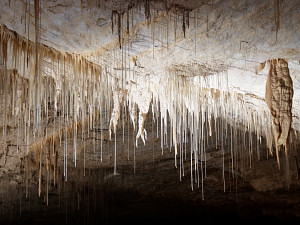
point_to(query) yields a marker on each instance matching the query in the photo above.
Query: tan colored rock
(279, 98)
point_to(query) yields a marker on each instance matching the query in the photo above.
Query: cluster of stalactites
(193, 110)
(74, 85)
(188, 108)
(189, 104)
(48, 104)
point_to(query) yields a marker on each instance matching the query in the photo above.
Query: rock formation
(83, 83)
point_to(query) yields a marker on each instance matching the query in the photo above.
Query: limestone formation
(84, 83)
(279, 97)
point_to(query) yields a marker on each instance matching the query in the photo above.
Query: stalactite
(112, 22)
(40, 170)
(276, 16)
(192, 103)
(279, 95)
(127, 14)
(25, 13)
(188, 19)
(183, 22)
(167, 31)
(141, 132)
(119, 28)
(119, 24)
(36, 60)
(116, 112)
(175, 26)
(115, 155)
(147, 10)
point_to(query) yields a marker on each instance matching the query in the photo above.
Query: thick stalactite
(279, 98)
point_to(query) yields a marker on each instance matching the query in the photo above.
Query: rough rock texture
(279, 98)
